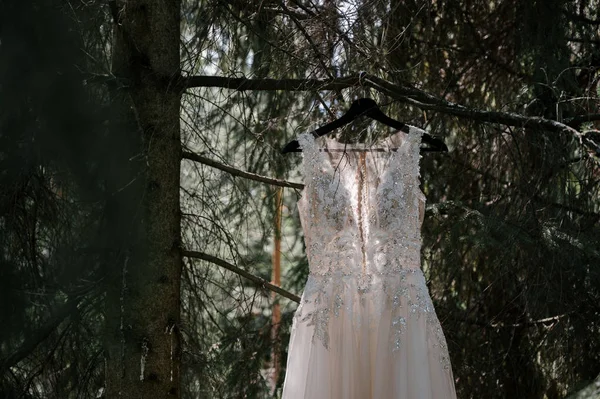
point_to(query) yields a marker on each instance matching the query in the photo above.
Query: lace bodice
(361, 213)
(365, 326)
(366, 205)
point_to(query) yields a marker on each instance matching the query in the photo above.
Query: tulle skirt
(386, 344)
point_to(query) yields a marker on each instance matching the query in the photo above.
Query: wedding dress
(365, 327)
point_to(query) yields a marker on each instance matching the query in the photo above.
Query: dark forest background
(145, 206)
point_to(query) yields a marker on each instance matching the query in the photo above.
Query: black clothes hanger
(367, 107)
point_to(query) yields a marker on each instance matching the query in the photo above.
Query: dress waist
(383, 255)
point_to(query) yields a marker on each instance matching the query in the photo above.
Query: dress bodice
(365, 326)
(363, 205)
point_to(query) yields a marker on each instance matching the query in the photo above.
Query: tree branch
(580, 18)
(402, 93)
(237, 172)
(114, 11)
(529, 323)
(226, 265)
(576, 120)
(242, 84)
(426, 101)
(291, 12)
(40, 335)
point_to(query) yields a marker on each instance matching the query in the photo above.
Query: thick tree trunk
(143, 296)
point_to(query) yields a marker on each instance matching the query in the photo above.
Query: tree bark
(143, 287)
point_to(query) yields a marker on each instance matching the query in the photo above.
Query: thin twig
(237, 172)
(226, 265)
(41, 334)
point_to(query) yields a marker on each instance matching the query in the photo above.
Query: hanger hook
(361, 76)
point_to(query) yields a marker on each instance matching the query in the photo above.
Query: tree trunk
(143, 294)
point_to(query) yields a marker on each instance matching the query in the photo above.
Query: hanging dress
(365, 327)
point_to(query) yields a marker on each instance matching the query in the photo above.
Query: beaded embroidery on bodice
(361, 213)
(365, 327)
(363, 204)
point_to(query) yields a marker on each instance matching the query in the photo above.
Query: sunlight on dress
(365, 327)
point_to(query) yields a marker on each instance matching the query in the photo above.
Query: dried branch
(226, 265)
(237, 172)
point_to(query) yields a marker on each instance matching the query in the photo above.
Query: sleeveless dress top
(365, 327)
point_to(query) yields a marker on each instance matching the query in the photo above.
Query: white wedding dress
(365, 327)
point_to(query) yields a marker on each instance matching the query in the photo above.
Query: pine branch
(40, 334)
(226, 265)
(401, 93)
(548, 321)
(242, 84)
(237, 172)
(580, 18)
(310, 41)
(291, 12)
(532, 323)
(426, 101)
(583, 118)
(114, 12)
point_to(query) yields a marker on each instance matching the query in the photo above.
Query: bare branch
(242, 84)
(310, 41)
(581, 18)
(291, 12)
(426, 101)
(545, 322)
(576, 120)
(114, 11)
(237, 172)
(226, 265)
(402, 93)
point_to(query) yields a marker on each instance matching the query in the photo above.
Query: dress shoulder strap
(310, 155)
(415, 138)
